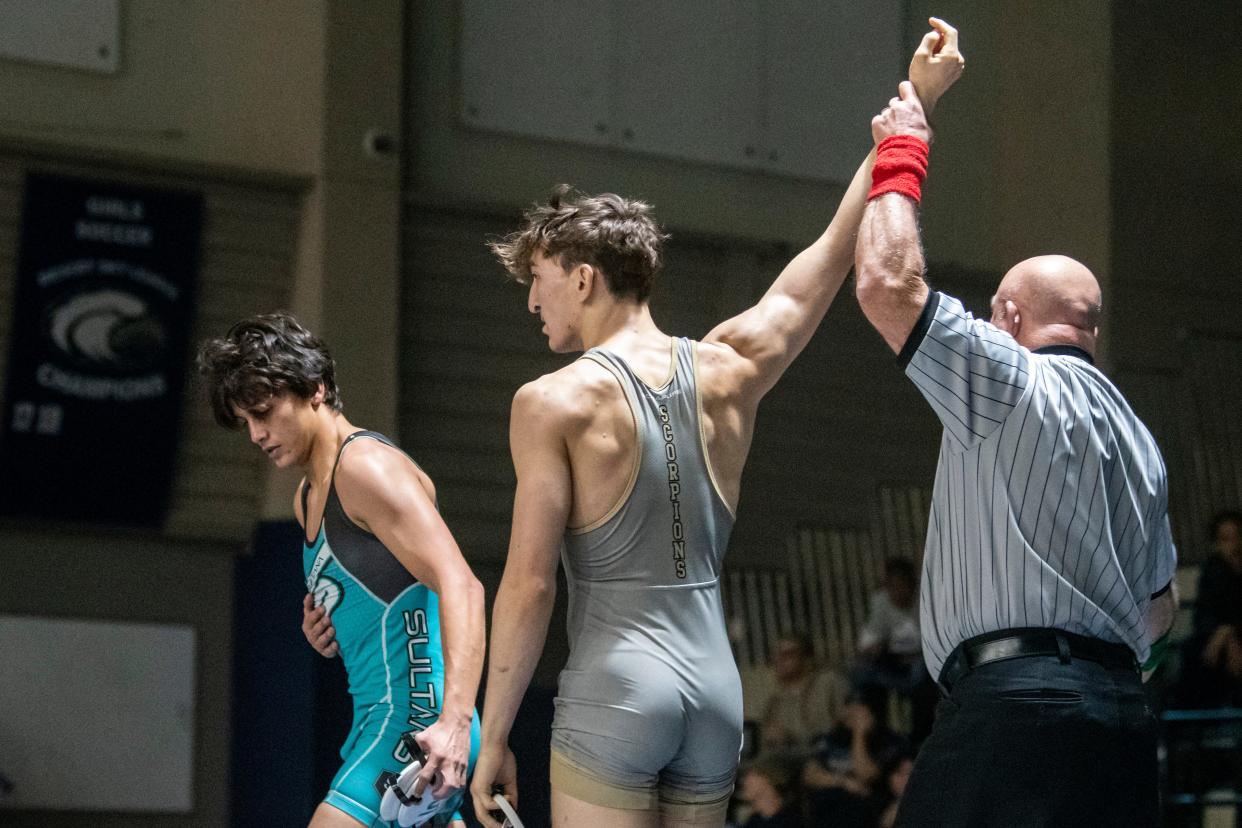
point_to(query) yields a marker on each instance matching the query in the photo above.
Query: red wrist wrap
(900, 167)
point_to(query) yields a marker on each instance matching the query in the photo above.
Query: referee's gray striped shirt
(1050, 507)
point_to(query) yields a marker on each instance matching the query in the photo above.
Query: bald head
(1049, 300)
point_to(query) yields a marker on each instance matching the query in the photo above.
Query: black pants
(1037, 742)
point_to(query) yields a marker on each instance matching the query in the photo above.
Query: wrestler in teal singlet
(388, 628)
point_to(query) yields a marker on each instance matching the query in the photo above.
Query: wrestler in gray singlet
(651, 694)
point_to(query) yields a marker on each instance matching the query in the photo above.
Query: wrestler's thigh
(570, 812)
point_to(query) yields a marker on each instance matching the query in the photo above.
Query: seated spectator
(1212, 656)
(842, 778)
(890, 649)
(769, 786)
(803, 702)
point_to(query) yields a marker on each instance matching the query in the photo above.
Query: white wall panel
(78, 34)
(687, 80)
(537, 68)
(97, 716)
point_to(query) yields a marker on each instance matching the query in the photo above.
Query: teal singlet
(388, 629)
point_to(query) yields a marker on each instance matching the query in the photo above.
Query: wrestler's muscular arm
(541, 418)
(383, 492)
(763, 340)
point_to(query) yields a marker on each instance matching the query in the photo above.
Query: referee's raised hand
(904, 115)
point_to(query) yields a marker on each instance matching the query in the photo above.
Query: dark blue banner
(105, 291)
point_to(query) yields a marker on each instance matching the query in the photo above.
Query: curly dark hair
(619, 236)
(261, 356)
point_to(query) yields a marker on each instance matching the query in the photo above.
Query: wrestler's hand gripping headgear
(399, 804)
(506, 811)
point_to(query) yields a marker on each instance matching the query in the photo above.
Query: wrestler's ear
(584, 277)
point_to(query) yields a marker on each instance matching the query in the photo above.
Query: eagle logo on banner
(106, 329)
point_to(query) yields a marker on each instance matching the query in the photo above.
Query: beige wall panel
(229, 83)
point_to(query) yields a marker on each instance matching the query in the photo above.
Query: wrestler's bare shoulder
(370, 465)
(569, 397)
(723, 372)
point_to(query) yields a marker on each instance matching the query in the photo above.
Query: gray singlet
(651, 691)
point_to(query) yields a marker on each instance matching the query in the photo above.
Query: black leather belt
(1026, 643)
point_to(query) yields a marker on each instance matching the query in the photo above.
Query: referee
(1049, 561)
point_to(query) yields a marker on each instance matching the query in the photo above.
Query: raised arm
(527, 590)
(889, 259)
(768, 336)
(382, 491)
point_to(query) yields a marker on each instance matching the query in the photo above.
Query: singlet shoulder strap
(630, 385)
(612, 363)
(685, 361)
(374, 435)
(619, 366)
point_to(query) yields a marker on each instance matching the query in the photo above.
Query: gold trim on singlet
(638, 448)
(672, 365)
(707, 455)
